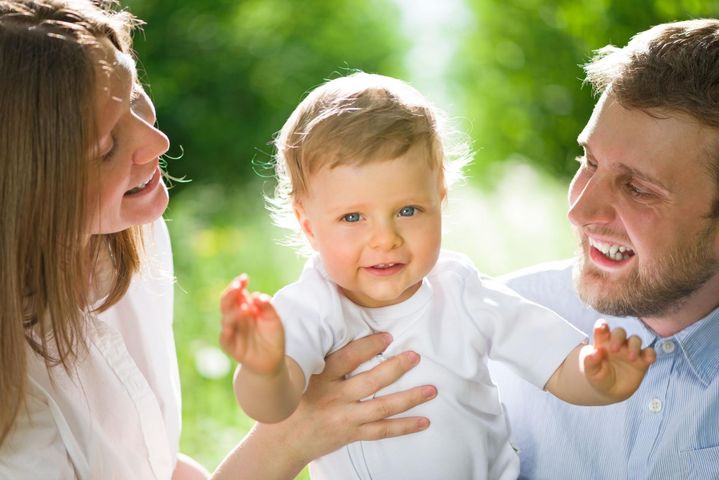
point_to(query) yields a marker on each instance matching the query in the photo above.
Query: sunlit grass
(217, 235)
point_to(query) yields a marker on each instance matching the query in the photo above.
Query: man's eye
(637, 191)
(351, 217)
(407, 211)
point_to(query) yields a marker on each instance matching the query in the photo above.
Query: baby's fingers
(648, 355)
(228, 334)
(602, 335)
(262, 303)
(618, 340)
(594, 360)
(234, 293)
(634, 347)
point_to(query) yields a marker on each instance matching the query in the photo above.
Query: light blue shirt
(669, 429)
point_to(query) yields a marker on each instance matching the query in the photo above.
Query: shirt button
(668, 346)
(655, 405)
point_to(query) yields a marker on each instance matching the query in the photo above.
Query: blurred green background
(225, 74)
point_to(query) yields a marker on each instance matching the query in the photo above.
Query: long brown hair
(48, 128)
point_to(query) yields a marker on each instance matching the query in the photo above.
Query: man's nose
(591, 201)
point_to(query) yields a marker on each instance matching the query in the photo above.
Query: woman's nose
(154, 143)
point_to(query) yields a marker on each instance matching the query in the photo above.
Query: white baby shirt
(455, 321)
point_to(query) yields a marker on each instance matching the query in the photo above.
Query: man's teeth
(615, 252)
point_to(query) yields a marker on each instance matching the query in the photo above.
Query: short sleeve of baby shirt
(528, 338)
(312, 317)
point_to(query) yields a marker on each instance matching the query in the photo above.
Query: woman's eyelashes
(110, 151)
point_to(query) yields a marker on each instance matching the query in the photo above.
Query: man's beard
(660, 289)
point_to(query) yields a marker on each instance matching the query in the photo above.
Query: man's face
(640, 203)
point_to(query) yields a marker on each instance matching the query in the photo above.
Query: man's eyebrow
(642, 176)
(627, 169)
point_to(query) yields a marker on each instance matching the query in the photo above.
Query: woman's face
(126, 187)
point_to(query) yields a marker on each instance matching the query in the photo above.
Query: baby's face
(377, 226)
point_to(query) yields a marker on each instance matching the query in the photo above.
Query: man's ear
(304, 221)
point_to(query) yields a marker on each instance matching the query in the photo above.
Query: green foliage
(216, 235)
(225, 75)
(519, 71)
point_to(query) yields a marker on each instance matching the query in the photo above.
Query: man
(645, 206)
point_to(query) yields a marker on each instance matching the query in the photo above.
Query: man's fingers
(352, 355)
(393, 428)
(386, 373)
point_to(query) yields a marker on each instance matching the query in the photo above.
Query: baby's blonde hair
(354, 120)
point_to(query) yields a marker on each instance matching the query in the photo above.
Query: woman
(89, 385)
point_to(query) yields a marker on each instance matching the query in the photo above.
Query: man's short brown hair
(672, 67)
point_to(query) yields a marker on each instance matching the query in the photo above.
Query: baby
(363, 173)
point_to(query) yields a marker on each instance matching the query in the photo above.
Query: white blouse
(117, 413)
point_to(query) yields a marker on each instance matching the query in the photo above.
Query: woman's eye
(110, 152)
(585, 163)
(351, 217)
(407, 211)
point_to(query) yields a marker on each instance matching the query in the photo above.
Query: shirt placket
(646, 412)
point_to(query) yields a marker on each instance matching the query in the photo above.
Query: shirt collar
(700, 344)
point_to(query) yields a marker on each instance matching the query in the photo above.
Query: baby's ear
(304, 222)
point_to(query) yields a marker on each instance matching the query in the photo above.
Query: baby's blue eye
(351, 217)
(407, 211)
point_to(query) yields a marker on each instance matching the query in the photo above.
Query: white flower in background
(211, 363)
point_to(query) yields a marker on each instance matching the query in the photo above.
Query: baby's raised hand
(252, 332)
(615, 365)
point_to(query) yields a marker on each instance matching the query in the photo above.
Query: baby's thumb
(592, 360)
